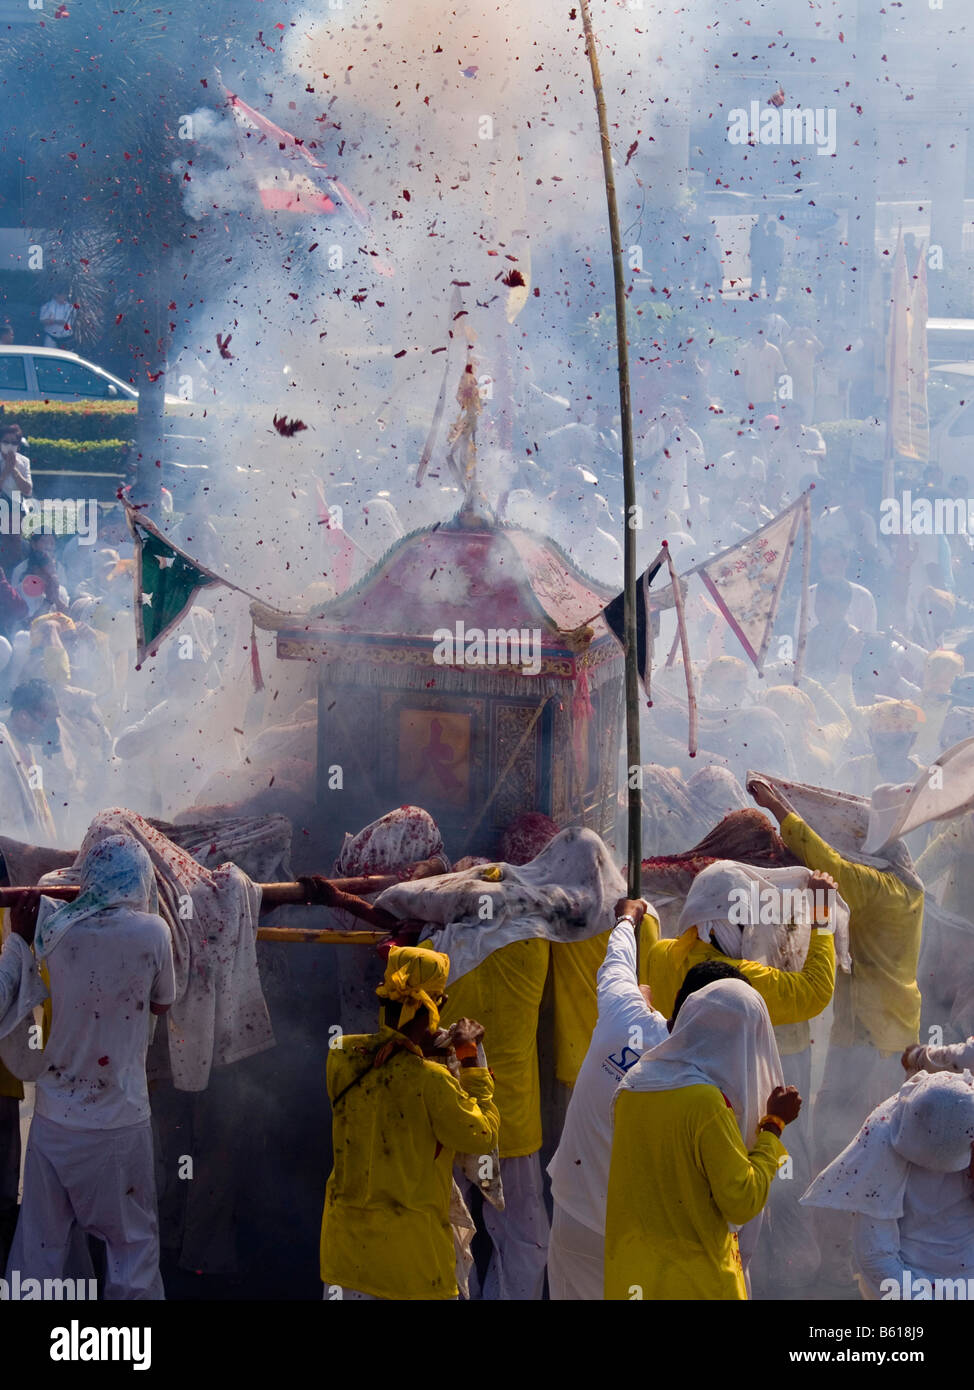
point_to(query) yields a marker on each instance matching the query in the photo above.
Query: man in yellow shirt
(692, 1152)
(792, 996)
(504, 991)
(398, 1118)
(877, 1007)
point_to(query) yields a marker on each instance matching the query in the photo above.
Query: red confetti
(288, 427)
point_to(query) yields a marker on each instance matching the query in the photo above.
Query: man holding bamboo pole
(89, 1161)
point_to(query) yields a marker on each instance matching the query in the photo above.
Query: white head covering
(722, 1037)
(115, 872)
(929, 1124)
(391, 844)
(760, 914)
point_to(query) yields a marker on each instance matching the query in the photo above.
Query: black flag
(613, 615)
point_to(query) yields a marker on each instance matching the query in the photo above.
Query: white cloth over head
(566, 893)
(928, 1124)
(115, 872)
(722, 1037)
(895, 810)
(761, 914)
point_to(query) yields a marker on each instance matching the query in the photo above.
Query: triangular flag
(745, 581)
(167, 581)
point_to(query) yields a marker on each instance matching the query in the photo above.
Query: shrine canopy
(486, 681)
(496, 578)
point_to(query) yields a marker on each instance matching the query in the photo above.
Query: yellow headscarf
(415, 978)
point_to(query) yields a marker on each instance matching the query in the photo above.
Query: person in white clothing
(89, 1161)
(627, 1027)
(907, 1180)
(57, 320)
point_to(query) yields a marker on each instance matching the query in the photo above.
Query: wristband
(775, 1120)
(465, 1050)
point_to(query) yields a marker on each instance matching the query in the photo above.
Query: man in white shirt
(627, 1027)
(57, 320)
(89, 1160)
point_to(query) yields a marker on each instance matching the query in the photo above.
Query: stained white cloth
(722, 1037)
(566, 893)
(101, 1181)
(21, 987)
(626, 1028)
(390, 845)
(927, 1124)
(519, 1235)
(219, 1015)
(842, 820)
(930, 797)
(764, 915)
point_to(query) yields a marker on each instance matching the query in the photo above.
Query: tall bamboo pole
(633, 759)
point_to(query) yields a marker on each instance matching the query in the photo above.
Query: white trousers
(576, 1260)
(519, 1234)
(102, 1183)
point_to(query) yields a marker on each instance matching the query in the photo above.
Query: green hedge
(99, 456)
(82, 420)
(72, 421)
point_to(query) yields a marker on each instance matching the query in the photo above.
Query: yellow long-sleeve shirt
(879, 1003)
(679, 1174)
(574, 967)
(792, 996)
(386, 1226)
(504, 994)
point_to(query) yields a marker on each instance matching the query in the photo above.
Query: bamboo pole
(272, 894)
(633, 759)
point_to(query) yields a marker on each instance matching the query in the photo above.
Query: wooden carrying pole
(272, 895)
(633, 759)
